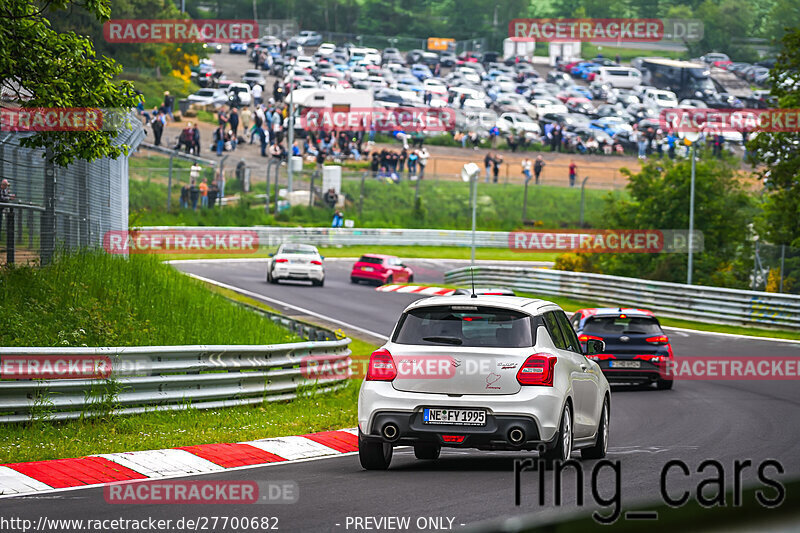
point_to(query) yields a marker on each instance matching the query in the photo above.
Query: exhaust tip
(516, 436)
(390, 431)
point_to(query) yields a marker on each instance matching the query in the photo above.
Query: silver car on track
(485, 372)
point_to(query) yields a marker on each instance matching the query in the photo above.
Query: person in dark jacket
(213, 194)
(195, 140)
(158, 128)
(233, 122)
(194, 194)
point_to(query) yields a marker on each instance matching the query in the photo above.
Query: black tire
(389, 280)
(269, 277)
(664, 384)
(427, 451)
(319, 283)
(600, 448)
(373, 454)
(272, 278)
(563, 448)
(411, 278)
(353, 280)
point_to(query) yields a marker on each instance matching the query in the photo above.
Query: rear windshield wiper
(444, 340)
(634, 332)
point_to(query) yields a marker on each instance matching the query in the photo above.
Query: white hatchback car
(296, 262)
(486, 372)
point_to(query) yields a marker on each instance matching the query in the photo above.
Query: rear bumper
(287, 273)
(369, 276)
(493, 436)
(535, 410)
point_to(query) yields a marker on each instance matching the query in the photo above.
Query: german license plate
(367, 269)
(624, 364)
(454, 417)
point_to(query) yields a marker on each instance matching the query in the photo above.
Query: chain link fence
(60, 208)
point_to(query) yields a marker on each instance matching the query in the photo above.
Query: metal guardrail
(271, 237)
(167, 378)
(675, 300)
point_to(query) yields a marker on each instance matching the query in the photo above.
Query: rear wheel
(598, 451)
(353, 280)
(411, 278)
(270, 277)
(373, 454)
(563, 448)
(664, 384)
(389, 280)
(427, 451)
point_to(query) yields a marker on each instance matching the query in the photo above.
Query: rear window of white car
(288, 249)
(466, 326)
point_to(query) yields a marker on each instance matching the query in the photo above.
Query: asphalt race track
(724, 421)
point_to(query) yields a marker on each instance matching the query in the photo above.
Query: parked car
(215, 97)
(309, 38)
(237, 48)
(253, 78)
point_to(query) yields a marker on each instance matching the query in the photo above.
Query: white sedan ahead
(296, 262)
(485, 372)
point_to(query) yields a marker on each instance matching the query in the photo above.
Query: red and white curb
(417, 289)
(97, 470)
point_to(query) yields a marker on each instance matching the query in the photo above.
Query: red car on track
(382, 269)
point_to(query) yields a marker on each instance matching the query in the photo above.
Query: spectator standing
(233, 121)
(246, 116)
(219, 140)
(196, 140)
(496, 162)
(413, 159)
(203, 193)
(185, 139)
(487, 162)
(213, 194)
(423, 160)
(573, 171)
(537, 168)
(158, 127)
(169, 103)
(5, 197)
(258, 93)
(184, 196)
(526, 169)
(194, 172)
(194, 194)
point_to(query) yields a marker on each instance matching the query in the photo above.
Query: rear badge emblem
(455, 362)
(624, 338)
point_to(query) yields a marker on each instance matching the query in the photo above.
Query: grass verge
(96, 299)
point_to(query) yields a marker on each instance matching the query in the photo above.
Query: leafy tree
(659, 199)
(40, 67)
(779, 153)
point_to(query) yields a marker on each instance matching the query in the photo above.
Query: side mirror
(271, 254)
(322, 257)
(594, 346)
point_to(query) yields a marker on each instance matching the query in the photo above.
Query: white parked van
(660, 99)
(619, 77)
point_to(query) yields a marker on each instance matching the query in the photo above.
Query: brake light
(381, 366)
(659, 339)
(537, 370)
(584, 338)
(315, 262)
(453, 438)
(281, 260)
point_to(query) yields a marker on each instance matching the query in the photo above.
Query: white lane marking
(732, 335)
(292, 447)
(13, 482)
(289, 306)
(160, 463)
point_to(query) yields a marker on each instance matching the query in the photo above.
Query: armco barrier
(271, 237)
(691, 302)
(164, 378)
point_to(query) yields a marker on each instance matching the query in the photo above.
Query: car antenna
(472, 275)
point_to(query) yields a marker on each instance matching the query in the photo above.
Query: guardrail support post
(48, 220)
(583, 197)
(783, 259)
(169, 184)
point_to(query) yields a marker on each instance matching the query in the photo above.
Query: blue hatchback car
(637, 349)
